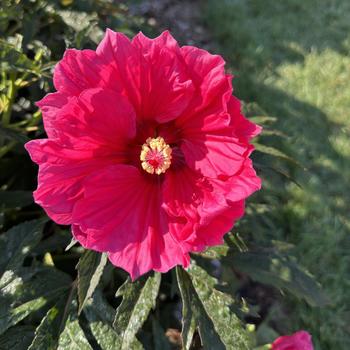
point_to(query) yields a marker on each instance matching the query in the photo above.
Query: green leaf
(215, 252)
(90, 268)
(262, 119)
(13, 60)
(274, 132)
(17, 338)
(77, 20)
(194, 315)
(15, 199)
(271, 151)
(18, 242)
(100, 316)
(49, 330)
(27, 290)
(228, 331)
(281, 272)
(73, 337)
(139, 298)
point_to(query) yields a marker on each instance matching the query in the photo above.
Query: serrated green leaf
(73, 337)
(27, 290)
(17, 338)
(100, 316)
(49, 330)
(139, 298)
(276, 270)
(90, 268)
(219, 308)
(194, 315)
(17, 243)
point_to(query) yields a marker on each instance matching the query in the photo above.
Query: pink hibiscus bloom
(298, 341)
(147, 155)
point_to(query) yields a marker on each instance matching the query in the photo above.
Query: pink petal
(239, 186)
(121, 213)
(208, 75)
(212, 232)
(99, 122)
(50, 106)
(60, 186)
(154, 79)
(80, 70)
(214, 154)
(244, 129)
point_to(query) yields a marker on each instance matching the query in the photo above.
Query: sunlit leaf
(219, 307)
(194, 315)
(100, 316)
(27, 290)
(48, 332)
(139, 298)
(73, 337)
(90, 269)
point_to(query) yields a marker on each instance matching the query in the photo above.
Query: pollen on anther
(155, 156)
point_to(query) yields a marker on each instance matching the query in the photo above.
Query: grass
(292, 58)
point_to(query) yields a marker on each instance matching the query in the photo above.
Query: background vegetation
(291, 61)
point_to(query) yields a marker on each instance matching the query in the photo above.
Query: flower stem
(11, 94)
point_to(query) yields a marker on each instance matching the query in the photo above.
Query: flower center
(155, 156)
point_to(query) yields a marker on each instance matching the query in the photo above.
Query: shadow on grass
(258, 38)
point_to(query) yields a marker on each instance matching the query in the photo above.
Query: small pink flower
(147, 155)
(298, 341)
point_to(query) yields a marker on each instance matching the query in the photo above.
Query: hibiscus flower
(147, 155)
(300, 340)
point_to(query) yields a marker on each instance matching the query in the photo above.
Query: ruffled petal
(121, 213)
(50, 106)
(153, 78)
(213, 85)
(244, 129)
(239, 186)
(217, 225)
(60, 186)
(51, 151)
(103, 116)
(214, 154)
(80, 70)
(98, 123)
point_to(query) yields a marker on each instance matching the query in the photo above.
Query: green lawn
(292, 58)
